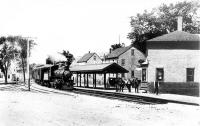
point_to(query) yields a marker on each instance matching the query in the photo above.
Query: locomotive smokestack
(179, 23)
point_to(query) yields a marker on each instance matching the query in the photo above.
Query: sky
(78, 26)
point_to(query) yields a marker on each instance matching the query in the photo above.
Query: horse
(119, 84)
(135, 84)
(128, 85)
(132, 82)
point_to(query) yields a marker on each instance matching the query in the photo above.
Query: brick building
(174, 60)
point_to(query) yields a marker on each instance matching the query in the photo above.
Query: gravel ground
(23, 108)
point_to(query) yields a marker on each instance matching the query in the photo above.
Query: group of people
(122, 83)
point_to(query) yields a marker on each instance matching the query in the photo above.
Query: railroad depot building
(174, 60)
(128, 58)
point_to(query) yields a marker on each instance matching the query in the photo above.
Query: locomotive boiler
(62, 78)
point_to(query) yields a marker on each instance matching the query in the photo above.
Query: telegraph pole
(28, 74)
(28, 55)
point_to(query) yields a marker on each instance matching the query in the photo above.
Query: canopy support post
(104, 80)
(93, 79)
(95, 82)
(77, 79)
(80, 79)
(84, 80)
(87, 81)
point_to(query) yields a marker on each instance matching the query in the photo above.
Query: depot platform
(173, 98)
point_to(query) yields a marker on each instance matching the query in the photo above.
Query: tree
(10, 46)
(69, 58)
(7, 52)
(115, 46)
(22, 44)
(162, 20)
(21, 47)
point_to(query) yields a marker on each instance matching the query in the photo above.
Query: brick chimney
(179, 23)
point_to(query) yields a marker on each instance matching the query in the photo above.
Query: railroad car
(56, 76)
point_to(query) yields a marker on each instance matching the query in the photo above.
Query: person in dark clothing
(133, 82)
(117, 84)
(156, 87)
(136, 85)
(128, 85)
(122, 84)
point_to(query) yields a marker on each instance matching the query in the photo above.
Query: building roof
(99, 68)
(85, 58)
(117, 52)
(176, 37)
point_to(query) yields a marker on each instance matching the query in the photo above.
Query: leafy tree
(115, 46)
(7, 52)
(21, 47)
(22, 44)
(162, 20)
(10, 46)
(69, 58)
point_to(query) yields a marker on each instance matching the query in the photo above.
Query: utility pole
(28, 53)
(28, 74)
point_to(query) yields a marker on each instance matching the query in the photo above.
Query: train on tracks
(57, 76)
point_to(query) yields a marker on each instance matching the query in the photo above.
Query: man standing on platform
(136, 85)
(156, 87)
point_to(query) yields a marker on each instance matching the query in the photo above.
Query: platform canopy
(99, 68)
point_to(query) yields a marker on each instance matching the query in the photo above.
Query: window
(123, 75)
(1, 76)
(159, 74)
(190, 74)
(132, 73)
(94, 58)
(132, 52)
(123, 62)
(8, 76)
(144, 71)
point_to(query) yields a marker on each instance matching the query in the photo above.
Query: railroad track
(120, 96)
(108, 95)
(98, 93)
(130, 98)
(12, 87)
(37, 89)
(48, 91)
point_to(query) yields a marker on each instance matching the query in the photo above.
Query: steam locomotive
(56, 76)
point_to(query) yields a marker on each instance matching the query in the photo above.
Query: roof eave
(112, 58)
